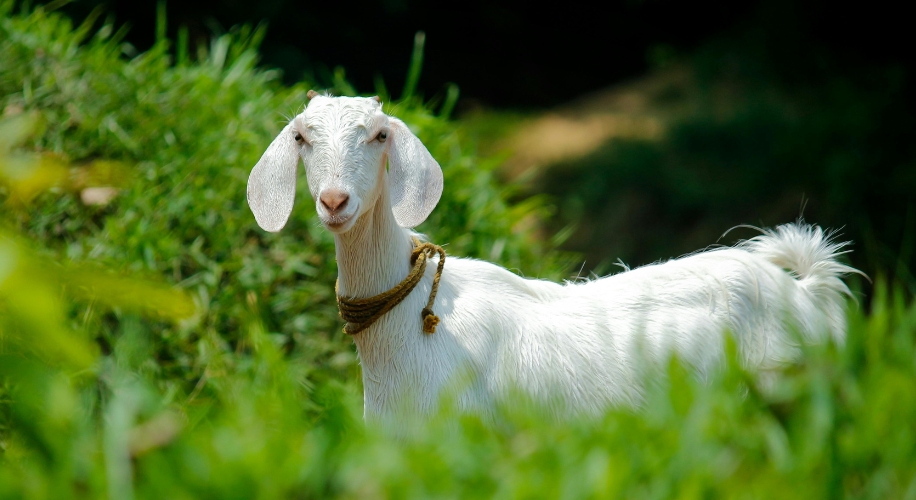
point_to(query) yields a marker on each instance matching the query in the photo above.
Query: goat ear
(414, 176)
(272, 183)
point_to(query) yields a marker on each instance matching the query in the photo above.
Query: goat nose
(334, 200)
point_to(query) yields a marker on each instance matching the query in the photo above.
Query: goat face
(344, 144)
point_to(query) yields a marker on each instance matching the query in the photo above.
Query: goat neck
(374, 255)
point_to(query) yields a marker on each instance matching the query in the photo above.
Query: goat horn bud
(312, 94)
(377, 99)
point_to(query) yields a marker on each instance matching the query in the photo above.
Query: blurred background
(652, 126)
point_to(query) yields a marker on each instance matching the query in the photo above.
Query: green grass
(162, 346)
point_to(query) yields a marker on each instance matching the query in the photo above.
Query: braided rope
(361, 313)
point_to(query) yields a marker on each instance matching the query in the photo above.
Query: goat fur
(576, 347)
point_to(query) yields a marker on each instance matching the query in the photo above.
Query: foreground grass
(839, 424)
(159, 345)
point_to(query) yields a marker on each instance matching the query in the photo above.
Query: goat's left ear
(415, 177)
(272, 183)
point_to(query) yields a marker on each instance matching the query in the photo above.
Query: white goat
(577, 346)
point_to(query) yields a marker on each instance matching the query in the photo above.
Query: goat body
(577, 347)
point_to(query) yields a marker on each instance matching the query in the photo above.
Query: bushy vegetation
(159, 345)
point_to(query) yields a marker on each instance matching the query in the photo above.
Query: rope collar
(361, 313)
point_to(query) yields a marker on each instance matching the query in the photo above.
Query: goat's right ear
(272, 183)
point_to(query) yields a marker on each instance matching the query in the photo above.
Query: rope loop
(362, 313)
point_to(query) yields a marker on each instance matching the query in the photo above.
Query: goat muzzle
(334, 201)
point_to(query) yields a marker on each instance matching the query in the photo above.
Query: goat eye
(382, 136)
(299, 138)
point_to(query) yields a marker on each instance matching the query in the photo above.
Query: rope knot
(430, 320)
(361, 313)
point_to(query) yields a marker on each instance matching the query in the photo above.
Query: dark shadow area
(506, 54)
(775, 123)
